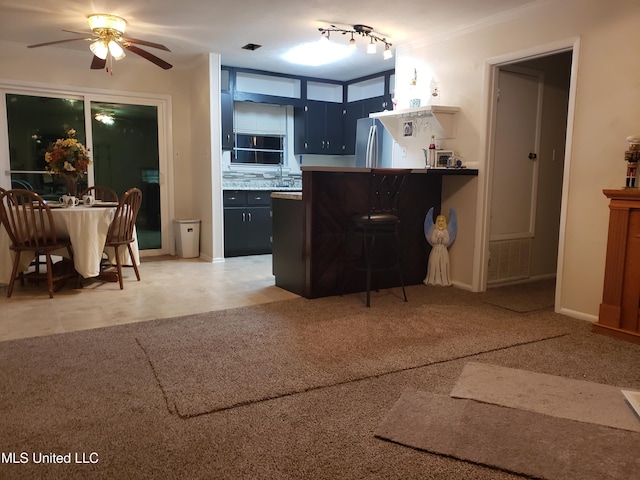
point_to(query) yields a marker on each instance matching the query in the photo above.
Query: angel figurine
(440, 236)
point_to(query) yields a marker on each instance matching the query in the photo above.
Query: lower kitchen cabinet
(247, 222)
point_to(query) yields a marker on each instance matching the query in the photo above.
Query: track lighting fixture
(364, 31)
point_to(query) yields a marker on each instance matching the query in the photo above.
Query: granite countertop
(287, 195)
(429, 171)
(262, 185)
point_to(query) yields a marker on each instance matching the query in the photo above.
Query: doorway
(525, 203)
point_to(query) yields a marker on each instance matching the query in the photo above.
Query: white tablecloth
(87, 228)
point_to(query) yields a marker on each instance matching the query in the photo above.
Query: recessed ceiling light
(251, 46)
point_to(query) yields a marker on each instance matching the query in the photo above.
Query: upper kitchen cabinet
(367, 96)
(318, 124)
(318, 128)
(226, 109)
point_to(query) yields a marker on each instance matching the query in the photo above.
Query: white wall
(607, 96)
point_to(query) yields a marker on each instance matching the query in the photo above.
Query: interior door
(515, 167)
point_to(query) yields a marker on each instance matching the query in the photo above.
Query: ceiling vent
(251, 46)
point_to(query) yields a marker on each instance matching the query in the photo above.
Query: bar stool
(377, 229)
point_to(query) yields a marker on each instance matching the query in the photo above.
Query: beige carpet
(99, 391)
(578, 400)
(214, 361)
(517, 441)
(524, 297)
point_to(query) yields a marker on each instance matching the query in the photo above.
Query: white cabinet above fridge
(440, 120)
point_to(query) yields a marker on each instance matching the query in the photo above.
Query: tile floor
(169, 287)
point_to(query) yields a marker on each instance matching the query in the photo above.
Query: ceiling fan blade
(78, 33)
(98, 63)
(146, 43)
(57, 41)
(149, 56)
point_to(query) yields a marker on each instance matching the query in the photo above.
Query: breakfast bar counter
(308, 227)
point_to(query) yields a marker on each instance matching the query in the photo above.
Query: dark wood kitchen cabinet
(247, 222)
(319, 128)
(226, 120)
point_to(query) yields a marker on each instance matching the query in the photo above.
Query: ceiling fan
(108, 42)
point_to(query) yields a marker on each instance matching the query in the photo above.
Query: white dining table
(87, 229)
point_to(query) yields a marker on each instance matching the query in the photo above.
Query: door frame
(87, 95)
(480, 267)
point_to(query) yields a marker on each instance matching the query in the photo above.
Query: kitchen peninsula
(308, 228)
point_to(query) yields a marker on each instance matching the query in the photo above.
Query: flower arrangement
(67, 156)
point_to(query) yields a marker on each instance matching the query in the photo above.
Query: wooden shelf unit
(620, 308)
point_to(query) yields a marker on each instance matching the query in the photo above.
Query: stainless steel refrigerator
(374, 144)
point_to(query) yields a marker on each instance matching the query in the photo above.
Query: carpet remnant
(214, 361)
(522, 298)
(547, 394)
(517, 441)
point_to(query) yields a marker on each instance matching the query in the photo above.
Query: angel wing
(428, 225)
(452, 226)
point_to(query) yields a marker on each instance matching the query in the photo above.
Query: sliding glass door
(125, 139)
(33, 123)
(125, 155)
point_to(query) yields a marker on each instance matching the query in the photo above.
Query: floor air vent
(509, 260)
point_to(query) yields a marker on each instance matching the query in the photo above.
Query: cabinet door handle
(244, 217)
(249, 216)
(327, 143)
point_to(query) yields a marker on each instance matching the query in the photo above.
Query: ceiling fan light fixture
(105, 21)
(116, 50)
(99, 49)
(105, 118)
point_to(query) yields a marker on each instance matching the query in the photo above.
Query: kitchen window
(258, 149)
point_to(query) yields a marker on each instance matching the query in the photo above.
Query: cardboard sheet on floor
(548, 394)
(513, 440)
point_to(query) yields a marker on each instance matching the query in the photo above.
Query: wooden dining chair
(101, 192)
(29, 223)
(122, 227)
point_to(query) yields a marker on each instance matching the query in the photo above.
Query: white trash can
(187, 235)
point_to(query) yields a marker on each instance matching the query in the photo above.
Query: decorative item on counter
(632, 156)
(444, 158)
(432, 152)
(435, 93)
(414, 101)
(440, 236)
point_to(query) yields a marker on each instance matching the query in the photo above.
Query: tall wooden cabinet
(620, 308)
